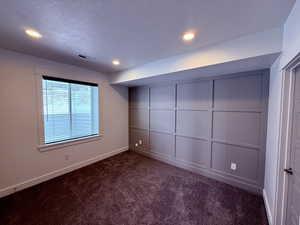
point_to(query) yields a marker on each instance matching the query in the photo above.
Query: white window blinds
(71, 109)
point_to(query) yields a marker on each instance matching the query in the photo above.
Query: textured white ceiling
(134, 31)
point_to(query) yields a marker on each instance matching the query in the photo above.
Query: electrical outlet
(140, 142)
(233, 166)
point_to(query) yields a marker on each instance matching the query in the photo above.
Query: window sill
(62, 144)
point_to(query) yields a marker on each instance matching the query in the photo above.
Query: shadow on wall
(121, 90)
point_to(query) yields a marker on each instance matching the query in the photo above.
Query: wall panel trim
(228, 110)
(254, 147)
(193, 137)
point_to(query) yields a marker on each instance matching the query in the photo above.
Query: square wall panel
(162, 120)
(139, 118)
(194, 96)
(162, 143)
(193, 150)
(162, 97)
(193, 123)
(237, 127)
(238, 161)
(139, 97)
(238, 93)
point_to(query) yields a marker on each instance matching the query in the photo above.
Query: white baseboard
(268, 209)
(28, 183)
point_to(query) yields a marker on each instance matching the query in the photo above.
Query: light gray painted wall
(291, 36)
(20, 159)
(207, 124)
(290, 48)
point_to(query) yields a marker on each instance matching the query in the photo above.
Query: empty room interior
(118, 112)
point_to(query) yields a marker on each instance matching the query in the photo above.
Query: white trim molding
(285, 138)
(268, 208)
(67, 143)
(37, 180)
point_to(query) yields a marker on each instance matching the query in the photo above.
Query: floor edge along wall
(48, 176)
(215, 127)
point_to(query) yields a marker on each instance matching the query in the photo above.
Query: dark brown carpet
(130, 189)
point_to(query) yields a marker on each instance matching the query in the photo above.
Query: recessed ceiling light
(33, 33)
(188, 36)
(116, 62)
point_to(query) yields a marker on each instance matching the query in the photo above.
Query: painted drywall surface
(273, 132)
(20, 160)
(263, 43)
(291, 36)
(240, 66)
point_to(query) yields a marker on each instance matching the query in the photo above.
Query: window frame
(41, 145)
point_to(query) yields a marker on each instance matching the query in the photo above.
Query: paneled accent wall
(215, 127)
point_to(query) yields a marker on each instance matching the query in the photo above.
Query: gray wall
(205, 126)
(290, 49)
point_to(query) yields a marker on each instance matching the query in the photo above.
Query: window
(70, 109)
